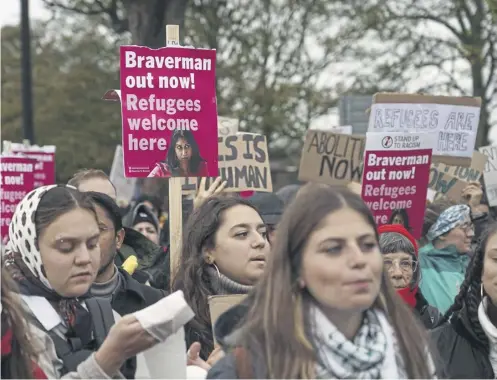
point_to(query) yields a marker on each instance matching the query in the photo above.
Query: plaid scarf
(370, 355)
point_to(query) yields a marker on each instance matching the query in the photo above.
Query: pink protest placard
(169, 112)
(45, 161)
(395, 178)
(16, 180)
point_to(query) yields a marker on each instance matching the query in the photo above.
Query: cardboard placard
(243, 163)
(444, 183)
(227, 126)
(45, 166)
(490, 173)
(125, 187)
(169, 111)
(219, 304)
(332, 158)
(396, 172)
(468, 174)
(16, 181)
(343, 129)
(452, 120)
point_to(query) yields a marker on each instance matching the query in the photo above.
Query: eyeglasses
(404, 264)
(467, 227)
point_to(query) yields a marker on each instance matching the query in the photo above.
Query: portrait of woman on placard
(400, 217)
(182, 159)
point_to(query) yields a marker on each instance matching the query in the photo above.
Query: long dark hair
(470, 290)
(274, 325)
(19, 364)
(172, 160)
(405, 218)
(192, 277)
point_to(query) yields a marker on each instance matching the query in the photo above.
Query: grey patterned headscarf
(448, 220)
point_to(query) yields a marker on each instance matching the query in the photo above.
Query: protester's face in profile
(98, 185)
(148, 230)
(489, 274)
(241, 247)
(70, 252)
(107, 241)
(342, 264)
(183, 150)
(400, 268)
(460, 237)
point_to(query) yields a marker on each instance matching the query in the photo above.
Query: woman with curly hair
(467, 338)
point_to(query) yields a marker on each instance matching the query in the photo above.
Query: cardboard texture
(490, 173)
(455, 131)
(243, 163)
(344, 129)
(468, 174)
(446, 184)
(451, 180)
(219, 304)
(332, 158)
(227, 126)
(125, 187)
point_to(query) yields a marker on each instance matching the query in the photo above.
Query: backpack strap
(102, 317)
(243, 363)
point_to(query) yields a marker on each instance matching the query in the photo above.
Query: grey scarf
(223, 285)
(107, 289)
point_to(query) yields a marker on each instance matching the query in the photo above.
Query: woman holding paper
(54, 257)
(183, 158)
(325, 308)
(224, 251)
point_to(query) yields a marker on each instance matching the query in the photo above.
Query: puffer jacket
(227, 335)
(462, 355)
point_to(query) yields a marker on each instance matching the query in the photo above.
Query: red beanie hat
(400, 229)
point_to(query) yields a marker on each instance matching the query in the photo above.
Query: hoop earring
(481, 290)
(217, 270)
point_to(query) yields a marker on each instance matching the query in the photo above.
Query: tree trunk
(148, 18)
(479, 90)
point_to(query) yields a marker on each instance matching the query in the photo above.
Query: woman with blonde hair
(324, 308)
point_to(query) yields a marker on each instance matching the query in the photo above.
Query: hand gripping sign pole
(175, 198)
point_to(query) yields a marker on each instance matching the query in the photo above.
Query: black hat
(143, 214)
(270, 207)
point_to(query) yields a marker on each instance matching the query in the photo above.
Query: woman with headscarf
(54, 257)
(400, 259)
(444, 260)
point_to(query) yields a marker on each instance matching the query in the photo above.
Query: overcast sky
(11, 13)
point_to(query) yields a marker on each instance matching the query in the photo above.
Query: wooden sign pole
(175, 198)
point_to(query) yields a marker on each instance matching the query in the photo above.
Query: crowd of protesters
(328, 293)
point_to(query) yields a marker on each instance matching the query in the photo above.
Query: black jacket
(153, 260)
(461, 354)
(429, 315)
(227, 334)
(133, 296)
